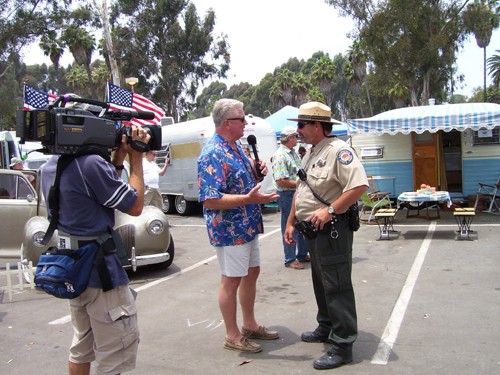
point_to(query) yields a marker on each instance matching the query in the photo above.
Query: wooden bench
(386, 215)
(464, 216)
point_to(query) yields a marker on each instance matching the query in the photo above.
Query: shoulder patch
(345, 156)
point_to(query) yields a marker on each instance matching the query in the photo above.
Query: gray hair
(223, 109)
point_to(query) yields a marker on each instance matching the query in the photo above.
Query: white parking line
(67, 318)
(381, 356)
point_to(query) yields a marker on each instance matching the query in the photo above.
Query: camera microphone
(128, 114)
(252, 141)
(142, 115)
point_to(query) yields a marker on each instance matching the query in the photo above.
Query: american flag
(122, 99)
(36, 99)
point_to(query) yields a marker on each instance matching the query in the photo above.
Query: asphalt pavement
(427, 304)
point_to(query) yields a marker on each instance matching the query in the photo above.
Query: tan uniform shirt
(332, 168)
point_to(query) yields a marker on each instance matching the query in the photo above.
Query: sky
(264, 34)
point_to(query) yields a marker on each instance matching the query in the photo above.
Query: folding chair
(374, 202)
(491, 192)
(372, 190)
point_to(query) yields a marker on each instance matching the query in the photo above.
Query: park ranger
(334, 179)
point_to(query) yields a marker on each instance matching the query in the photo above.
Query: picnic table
(424, 200)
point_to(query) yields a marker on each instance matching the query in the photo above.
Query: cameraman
(90, 189)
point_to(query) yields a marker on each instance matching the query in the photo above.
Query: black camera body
(64, 130)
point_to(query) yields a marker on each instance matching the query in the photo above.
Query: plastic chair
(374, 202)
(491, 192)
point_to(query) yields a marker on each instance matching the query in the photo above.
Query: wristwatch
(331, 210)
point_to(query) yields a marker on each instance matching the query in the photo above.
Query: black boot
(332, 359)
(314, 336)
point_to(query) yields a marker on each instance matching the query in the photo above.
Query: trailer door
(425, 159)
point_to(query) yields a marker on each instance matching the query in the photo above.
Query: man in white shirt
(152, 173)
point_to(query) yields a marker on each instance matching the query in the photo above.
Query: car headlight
(156, 227)
(38, 237)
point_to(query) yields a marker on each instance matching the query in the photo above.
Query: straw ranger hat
(314, 111)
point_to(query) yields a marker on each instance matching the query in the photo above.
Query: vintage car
(146, 238)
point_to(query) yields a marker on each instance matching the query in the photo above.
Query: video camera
(64, 130)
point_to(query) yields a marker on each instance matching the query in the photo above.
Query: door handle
(419, 153)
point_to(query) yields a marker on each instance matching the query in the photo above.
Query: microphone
(252, 141)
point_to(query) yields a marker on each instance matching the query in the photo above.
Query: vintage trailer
(182, 144)
(451, 146)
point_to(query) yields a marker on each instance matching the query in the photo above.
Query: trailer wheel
(168, 204)
(182, 206)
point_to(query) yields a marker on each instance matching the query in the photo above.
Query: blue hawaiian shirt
(222, 170)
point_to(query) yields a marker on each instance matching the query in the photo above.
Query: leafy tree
(481, 19)
(206, 100)
(414, 48)
(169, 48)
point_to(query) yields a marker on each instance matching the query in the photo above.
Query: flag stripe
(121, 99)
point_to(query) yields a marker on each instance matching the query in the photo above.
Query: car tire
(171, 252)
(183, 207)
(168, 204)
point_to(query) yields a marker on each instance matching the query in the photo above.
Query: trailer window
(486, 137)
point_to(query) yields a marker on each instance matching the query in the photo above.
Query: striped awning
(429, 118)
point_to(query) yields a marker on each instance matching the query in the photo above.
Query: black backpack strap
(105, 243)
(53, 199)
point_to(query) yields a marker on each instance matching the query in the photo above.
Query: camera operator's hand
(136, 179)
(137, 134)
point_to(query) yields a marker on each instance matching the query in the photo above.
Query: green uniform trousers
(331, 265)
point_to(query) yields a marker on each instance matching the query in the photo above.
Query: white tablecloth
(438, 196)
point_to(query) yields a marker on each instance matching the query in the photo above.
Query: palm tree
(323, 74)
(81, 44)
(494, 68)
(481, 18)
(51, 46)
(398, 91)
(77, 79)
(282, 90)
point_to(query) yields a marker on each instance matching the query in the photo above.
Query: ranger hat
(287, 131)
(15, 161)
(314, 111)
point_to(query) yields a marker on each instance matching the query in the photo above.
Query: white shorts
(234, 261)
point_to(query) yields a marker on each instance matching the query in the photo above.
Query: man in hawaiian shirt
(231, 201)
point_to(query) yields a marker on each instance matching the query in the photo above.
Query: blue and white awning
(430, 118)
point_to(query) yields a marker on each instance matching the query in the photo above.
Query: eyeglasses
(301, 124)
(242, 119)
